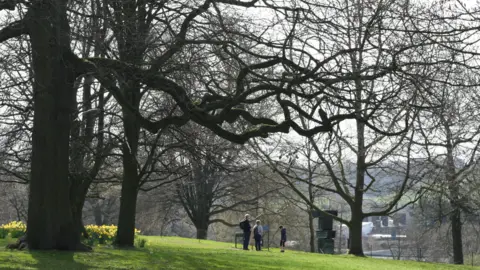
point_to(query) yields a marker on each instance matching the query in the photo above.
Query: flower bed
(14, 229)
(104, 234)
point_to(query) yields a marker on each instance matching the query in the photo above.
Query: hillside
(180, 253)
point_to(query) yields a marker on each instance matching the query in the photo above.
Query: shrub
(3, 233)
(15, 229)
(140, 242)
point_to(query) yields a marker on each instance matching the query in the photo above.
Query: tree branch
(219, 220)
(13, 30)
(7, 4)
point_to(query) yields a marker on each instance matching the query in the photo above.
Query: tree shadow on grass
(208, 259)
(126, 258)
(146, 258)
(56, 260)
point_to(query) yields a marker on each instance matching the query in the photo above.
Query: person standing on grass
(247, 228)
(257, 235)
(283, 238)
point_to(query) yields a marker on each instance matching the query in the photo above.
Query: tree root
(83, 248)
(21, 243)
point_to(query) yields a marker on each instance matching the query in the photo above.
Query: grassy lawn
(180, 253)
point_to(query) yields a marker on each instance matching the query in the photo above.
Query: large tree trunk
(357, 206)
(78, 196)
(202, 232)
(78, 218)
(131, 29)
(128, 203)
(126, 218)
(81, 137)
(455, 218)
(311, 197)
(131, 181)
(50, 222)
(312, 231)
(355, 226)
(456, 222)
(355, 234)
(202, 222)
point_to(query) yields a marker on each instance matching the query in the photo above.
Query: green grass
(180, 253)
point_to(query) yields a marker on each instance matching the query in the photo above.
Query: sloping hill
(180, 253)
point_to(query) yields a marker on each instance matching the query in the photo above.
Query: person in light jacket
(257, 235)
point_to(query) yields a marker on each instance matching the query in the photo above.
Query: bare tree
(373, 97)
(449, 136)
(219, 180)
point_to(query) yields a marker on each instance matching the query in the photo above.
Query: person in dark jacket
(283, 238)
(247, 230)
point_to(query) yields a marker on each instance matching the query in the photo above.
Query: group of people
(257, 233)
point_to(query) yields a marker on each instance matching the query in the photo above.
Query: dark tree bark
(131, 28)
(202, 227)
(131, 177)
(128, 200)
(78, 195)
(455, 215)
(82, 137)
(311, 197)
(356, 247)
(311, 227)
(355, 233)
(457, 243)
(51, 223)
(57, 187)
